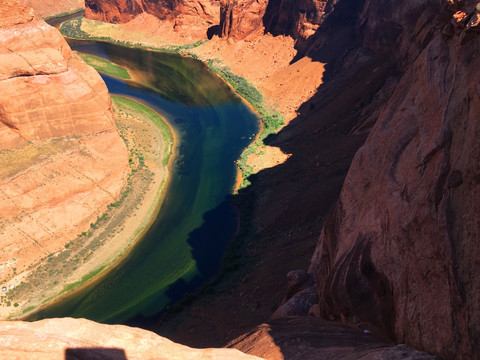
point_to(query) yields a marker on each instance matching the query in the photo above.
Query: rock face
(50, 92)
(62, 159)
(239, 19)
(197, 15)
(47, 8)
(297, 18)
(400, 248)
(300, 338)
(83, 339)
(236, 19)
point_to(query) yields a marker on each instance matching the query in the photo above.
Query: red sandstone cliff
(300, 19)
(47, 8)
(192, 16)
(400, 248)
(62, 159)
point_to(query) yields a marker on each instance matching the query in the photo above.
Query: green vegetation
(271, 119)
(28, 309)
(155, 118)
(73, 29)
(105, 66)
(63, 14)
(83, 280)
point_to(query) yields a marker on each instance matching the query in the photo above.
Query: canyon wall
(236, 19)
(186, 16)
(62, 159)
(300, 19)
(48, 8)
(400, 248)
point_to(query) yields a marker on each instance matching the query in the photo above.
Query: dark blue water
(184, 246)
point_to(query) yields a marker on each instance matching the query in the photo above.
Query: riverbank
(105, 67)
(260, 71)
(150, 143)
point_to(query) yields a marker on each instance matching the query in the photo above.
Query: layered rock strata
(62, 158)
(300, 19)
(236, 19)
(49, 8)
(192, 16)
(399, 248)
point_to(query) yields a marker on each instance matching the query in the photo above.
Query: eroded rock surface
(48, 8)
(300, 19)
(83, 339)
(62, 159)
(301, 338)
(192, 16)
(400, 248)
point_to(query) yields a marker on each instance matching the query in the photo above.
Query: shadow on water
(208, 245)
(184, 246)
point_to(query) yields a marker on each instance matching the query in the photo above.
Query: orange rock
(196, 15)
(52, 190)
(400, 249)
(47, 8)
(84, 339)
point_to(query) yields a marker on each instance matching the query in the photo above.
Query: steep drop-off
(399, 251)
(83, 339)
(299, 19)
(62, 159)
(400, 248)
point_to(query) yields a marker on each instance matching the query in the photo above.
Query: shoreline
(127, 246)
(100, 273)
(271, 120)
(63, 14)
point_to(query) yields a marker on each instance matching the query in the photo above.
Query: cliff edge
(83, 339)
(62, 159)
(400, 248)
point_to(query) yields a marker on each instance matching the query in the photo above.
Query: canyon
(376, 201)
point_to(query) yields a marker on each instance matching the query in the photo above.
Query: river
(183, 248)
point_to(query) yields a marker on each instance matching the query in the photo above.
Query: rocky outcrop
(51, 93)
(239, 18)
(299, 19)
(300, 338)
(188, 16)
(400, 248)
(62, 158)
(83, 339)
(236, 19)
